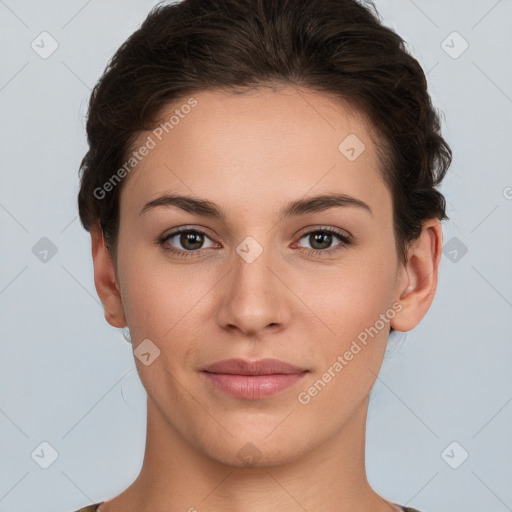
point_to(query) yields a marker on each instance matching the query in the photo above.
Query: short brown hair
(338, 47)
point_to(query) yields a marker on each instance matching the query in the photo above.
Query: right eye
(190, 239)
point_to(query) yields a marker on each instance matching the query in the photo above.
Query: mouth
(253, 380)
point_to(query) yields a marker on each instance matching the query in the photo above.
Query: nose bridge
(253, 298)
(252, 277)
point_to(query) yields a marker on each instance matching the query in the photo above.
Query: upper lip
(260, 367)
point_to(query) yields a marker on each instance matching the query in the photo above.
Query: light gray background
(68, 378)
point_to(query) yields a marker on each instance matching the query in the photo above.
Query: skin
(250, 154)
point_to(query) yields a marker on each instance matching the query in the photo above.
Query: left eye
(320, 240)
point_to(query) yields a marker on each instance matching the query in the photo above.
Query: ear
(105, 279)
(418, 277)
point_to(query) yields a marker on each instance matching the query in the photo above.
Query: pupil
(319, 236)
(187, 238)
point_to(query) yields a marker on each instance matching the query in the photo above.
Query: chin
(253, 451)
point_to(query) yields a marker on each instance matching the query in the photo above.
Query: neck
(177, 476)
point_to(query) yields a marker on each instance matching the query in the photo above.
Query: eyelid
(345, 239)
(186, 229)
(331, 229)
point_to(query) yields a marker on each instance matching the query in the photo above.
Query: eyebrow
(207, 208)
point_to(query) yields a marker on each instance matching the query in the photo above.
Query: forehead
(259, 146)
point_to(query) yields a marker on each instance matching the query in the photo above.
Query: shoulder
(90, 508)
(93, 508)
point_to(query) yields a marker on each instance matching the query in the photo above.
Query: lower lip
(253, 387)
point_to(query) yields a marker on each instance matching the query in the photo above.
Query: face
(315, 285)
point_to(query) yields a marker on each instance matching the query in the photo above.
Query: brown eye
(321, 241)
(191, 240)
(185, 241)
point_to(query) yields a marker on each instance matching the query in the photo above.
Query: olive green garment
(92, 508)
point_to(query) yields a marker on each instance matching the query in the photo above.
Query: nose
(253, 299)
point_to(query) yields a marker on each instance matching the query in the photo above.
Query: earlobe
(105, 279)
(420, 275)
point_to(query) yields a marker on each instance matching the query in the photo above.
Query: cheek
(349, 356)
(351, 296)
(160, 306)
(141, 299)
(161, 299)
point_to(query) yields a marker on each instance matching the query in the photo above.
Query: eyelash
(344, 242)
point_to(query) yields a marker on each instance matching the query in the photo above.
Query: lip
(260, 367)
(253, 379)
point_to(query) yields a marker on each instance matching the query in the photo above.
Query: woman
(260, 194)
